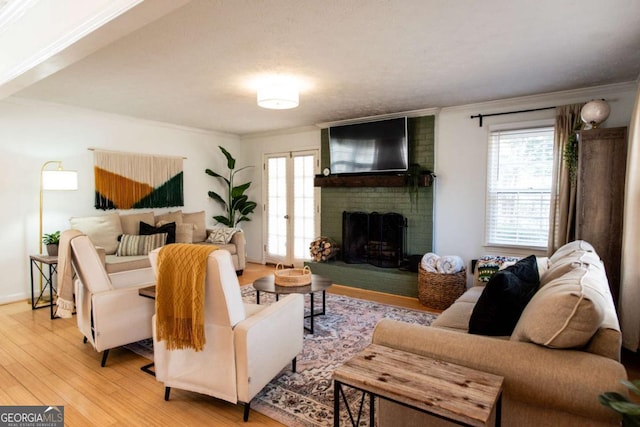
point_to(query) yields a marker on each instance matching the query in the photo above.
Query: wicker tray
(438, 290)
(292, 276)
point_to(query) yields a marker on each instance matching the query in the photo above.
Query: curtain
(630, 274)
(563, 189)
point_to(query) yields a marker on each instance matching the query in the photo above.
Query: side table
(38, 262)
(148, 292)
(452, 392)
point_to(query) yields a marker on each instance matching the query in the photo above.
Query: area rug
(305, 398)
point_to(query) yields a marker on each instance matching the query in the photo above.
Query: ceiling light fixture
(278, 95)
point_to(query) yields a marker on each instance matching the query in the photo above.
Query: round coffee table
(318, 284)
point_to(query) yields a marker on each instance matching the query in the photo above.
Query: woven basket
(292, 276)
(438, 290)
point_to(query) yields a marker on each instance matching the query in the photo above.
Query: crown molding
(410, 113)
(120, 117)
(540, 100)
(111, 11)
(277, 132)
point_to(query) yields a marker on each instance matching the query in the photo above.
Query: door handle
(286, 217)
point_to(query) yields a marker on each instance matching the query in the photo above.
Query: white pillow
(102, 230)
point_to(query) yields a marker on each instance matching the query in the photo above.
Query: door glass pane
(277, 206)
(303, 205)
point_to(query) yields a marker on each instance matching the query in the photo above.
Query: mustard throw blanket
(182, 270)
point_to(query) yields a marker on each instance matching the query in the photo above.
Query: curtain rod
(480, 116)
(125, 152)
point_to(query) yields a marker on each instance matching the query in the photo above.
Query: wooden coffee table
(318, 284)
(452, 392)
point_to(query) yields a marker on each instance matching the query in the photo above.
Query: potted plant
(51, 241)
(630, 411)
(416, 177)
(237, 205)
(571, 153)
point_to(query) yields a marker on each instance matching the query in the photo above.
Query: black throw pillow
(504, 298)
(169, 228)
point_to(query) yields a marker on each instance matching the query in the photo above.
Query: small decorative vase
(52, 250)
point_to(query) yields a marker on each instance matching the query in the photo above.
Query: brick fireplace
(414, 205)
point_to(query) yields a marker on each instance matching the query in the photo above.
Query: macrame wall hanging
(134, 181)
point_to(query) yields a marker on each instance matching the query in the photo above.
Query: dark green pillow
(504, 298)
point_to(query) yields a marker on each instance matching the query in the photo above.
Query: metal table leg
(311, 314)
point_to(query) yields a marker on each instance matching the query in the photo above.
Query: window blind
(519, 177)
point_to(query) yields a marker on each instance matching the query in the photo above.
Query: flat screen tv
(372, 147)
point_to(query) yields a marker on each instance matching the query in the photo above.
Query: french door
(292, 206)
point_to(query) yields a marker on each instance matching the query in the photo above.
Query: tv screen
(379, 146)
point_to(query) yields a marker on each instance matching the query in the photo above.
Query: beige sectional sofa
(563, 352)
(106, 232)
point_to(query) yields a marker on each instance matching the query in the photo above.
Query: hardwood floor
(44, 362)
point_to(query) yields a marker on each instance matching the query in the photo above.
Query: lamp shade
(59, 180)
(278, 97)
(595, 112)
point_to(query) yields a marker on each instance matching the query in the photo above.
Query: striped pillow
(140, 245)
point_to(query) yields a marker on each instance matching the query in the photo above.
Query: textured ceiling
(355, 58)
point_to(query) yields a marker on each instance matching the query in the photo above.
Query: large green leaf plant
(237, 205)
(629, 410)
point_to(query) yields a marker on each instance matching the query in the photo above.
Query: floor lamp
(58, 179)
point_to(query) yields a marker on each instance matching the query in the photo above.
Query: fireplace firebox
(373, 238)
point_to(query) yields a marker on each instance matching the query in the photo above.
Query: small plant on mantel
(415, 175)
(237, 205)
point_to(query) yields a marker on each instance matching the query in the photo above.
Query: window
(519, 177)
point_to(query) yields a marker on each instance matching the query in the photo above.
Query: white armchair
(110, 312)
(247, 345)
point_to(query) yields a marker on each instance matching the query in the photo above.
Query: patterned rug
(305, 398)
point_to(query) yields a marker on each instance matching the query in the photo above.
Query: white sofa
(105, 232)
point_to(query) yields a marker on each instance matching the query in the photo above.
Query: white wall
(461, 155)
(253, 149)
(32, 133)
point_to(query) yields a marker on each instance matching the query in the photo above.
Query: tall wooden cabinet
(600, 196)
